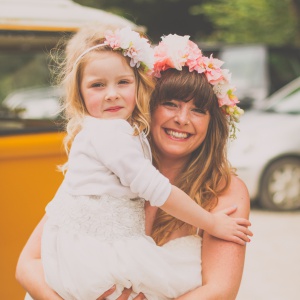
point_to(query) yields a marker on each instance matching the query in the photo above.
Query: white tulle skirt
(90, 244)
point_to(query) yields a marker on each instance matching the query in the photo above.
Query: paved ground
(272, 269)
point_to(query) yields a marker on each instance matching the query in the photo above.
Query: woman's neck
(171, 168)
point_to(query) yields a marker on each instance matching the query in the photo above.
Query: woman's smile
(178, 135)
(177, 129)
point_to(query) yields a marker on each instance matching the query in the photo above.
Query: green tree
(159, 16)
(274, 22)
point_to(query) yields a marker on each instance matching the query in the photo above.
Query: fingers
(107, 293)
(238, 241)
(242, 235)
(125, 294)
(243, 222)
(140, 296)
(229, 210)
(243, 227)
(245, 230)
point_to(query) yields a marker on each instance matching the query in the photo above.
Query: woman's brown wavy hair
(207, 174)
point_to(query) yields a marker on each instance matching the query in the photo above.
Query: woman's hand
(140, 296)
(125, 294)
(107, 293)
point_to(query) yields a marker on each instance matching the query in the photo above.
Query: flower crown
(131, 44)
(176, 51)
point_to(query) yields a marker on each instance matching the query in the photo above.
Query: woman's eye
(199, 111)
(169, 103)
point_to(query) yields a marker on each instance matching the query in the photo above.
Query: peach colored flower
(176, 52)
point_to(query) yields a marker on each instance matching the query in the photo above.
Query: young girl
(95, 234)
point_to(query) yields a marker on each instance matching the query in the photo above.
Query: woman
(188, 135)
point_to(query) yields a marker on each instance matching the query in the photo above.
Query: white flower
(132, 45)
(177, 49)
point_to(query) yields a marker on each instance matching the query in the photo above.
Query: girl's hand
(231, 229)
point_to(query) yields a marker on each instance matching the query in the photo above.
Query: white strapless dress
(91, 243)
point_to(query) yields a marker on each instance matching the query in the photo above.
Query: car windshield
(246, 63)
(27, 102)
(289, 104)
(37, 103)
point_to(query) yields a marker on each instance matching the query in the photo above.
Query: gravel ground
(272, 268)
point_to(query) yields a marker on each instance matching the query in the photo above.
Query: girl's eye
(123, 82)
(97, 84)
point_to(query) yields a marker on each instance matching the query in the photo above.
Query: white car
(266, 152)
(34, 103)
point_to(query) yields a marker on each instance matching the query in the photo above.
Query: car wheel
(280, 185)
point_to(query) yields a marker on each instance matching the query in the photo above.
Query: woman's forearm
(29, 271)
(30, 275)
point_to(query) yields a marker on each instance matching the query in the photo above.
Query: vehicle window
(28, 103)
(22, 70)
(247, 65)
(34, 103)
(289, 104)
(284, 67)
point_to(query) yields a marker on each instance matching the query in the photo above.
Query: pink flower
(194, 58)
(162, 61)
(178, 51)
(171, 52)
(132, 45)
(112, 39)
(213, 69)
(228, 98)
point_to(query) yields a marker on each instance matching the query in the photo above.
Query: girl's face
(178, 128)
(108, 86)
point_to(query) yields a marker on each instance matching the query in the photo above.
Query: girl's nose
(112, 94)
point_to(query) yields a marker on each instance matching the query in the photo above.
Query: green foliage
(159, 16)
(252, 21)
(274, 22)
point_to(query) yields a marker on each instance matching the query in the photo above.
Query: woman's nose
(182, 117)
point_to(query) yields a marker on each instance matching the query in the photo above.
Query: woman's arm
(29, 272)
(222, 261)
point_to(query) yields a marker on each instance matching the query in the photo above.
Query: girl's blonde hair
(70, 76)
(208, 173)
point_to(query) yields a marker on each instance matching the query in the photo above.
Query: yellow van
(30, 138)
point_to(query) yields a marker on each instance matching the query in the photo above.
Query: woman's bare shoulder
(236, 194)
(237, 185)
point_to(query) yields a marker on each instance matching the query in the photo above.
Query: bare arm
(232, 229)
(29, 272)
(222, 261)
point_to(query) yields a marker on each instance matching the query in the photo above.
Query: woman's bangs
(186, 86)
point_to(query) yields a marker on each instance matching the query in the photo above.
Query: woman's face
(178, 128)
